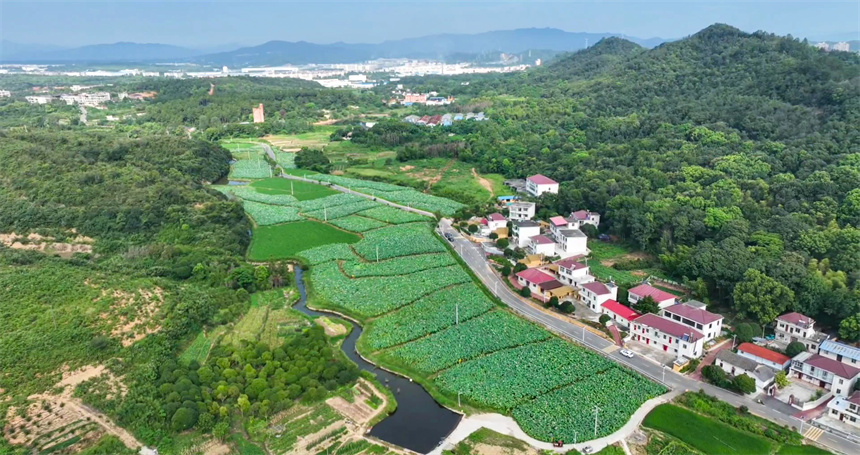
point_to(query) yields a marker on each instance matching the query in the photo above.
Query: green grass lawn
(705, 434)
(283, 241)
(302, 191)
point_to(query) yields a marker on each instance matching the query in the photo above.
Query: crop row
(430, 314)
(568, 412)
(393, 215)
(362, 186)
(394, 193)
(256, 168)
(357, 223)
(248, 193)
(459, 343)
(326, 253)
(377, 295)
(330, 201)
(265, 214)
(397, 266)
(339, 211)
(394, 241)
(286, 160)
(540, 368)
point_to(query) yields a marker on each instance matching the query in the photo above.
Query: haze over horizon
(200, 24)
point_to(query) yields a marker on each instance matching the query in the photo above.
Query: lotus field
(255, 168)
(339, 211)
(286, 160)
(392, 215)
(540, 367)
(248, 193)
(403, 285)
(354, 223)
(482, 335)
(399, 194)
(373, 296)
(429, 314)
(617, 392)
(397, 266)
(267, 215)
(402, 240)
(328, 253)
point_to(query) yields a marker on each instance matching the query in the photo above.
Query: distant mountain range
(441, 47)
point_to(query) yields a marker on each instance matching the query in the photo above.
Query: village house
(495, 221)
(737, 365)
(572, 272)
(840, 352)
(586, 217)
(764, 356)
(524, 230)
(663, 298)
(710, 324)
(668, 335)
(542, 285)
(571, 242)
(620, 314)
(847, 410)
(558, 224)
(521, 210)
(541, 244)
(797, 327)
(540, 184)
(593, 294)
(825, 372)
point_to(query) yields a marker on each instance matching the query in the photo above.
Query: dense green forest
(733, 157)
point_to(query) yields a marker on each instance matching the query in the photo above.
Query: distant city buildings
(841, 46)
(86, 99)
(39, 99)
(444, 120)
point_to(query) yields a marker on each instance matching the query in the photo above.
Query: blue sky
(202, 24)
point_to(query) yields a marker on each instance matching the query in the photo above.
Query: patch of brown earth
(135, 313)
(45, 244)
(359, 411)
(439, 175)
(331, 328)
(215, 447)
(487, 449)
(484, 182)
(407, 168)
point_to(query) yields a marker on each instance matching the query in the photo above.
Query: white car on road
(627, 353)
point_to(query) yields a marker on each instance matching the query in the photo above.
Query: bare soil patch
(331, 328)
(408, 167)
(45, 244)
(484, 182)
(487, 449)
(136, 314)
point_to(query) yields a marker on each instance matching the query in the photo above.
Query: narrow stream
(419, 423)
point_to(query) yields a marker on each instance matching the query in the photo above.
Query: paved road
(474, 257)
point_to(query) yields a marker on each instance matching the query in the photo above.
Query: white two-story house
(540, 184)
(572, 272)
(847, 410)
(593, 294)
(840, 352)
(523, 230)
(541, 244)
(798, 327)
(663, 298)
(571, 242)
(668, 335)
(737, 365)
(710, 324)
(586, 217)
(825, 372)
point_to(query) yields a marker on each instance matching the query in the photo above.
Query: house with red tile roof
(539, 282)
(825, 372)
(764, 356)
(798, 327)
(663, 298)
(586, 217)
(710, 324)
(572, 272)
(495, 221)
(620, 314)
(593, 294)
(670, 336)
(540, 184)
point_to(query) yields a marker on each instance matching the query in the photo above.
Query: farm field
(285, 240)
(605, 254)
(394, 193)
(705, 434)
(317, 139)
(425, 316)
(302, 191)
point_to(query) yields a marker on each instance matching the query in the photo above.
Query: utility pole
(325, 213)
(583, 333)
(733, 341)
(457, 312)
(458, 400)
(596, 410)
(292, 193)
(377, 253)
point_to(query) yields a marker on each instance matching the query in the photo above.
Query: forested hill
(732, 157)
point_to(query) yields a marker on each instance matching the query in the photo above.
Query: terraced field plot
(301, 191)
(283, 241)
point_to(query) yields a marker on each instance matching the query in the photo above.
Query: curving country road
(475, 258)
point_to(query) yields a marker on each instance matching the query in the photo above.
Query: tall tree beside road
(762, 296)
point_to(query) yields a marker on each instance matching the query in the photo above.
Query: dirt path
(484, 182)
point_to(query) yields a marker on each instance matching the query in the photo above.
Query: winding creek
(419, 423)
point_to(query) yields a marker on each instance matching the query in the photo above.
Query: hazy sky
(212, 23)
